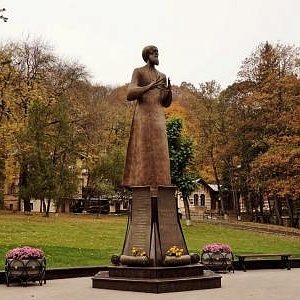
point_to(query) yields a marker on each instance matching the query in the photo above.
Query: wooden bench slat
(263, 254)
(284, 258)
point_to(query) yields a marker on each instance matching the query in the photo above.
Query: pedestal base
(154, 226)
(157, 279)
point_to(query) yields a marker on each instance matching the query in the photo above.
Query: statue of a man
(147, 161)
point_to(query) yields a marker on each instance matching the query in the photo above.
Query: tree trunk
(261, 207)
(23, 184)
(270, 210)
(249, 207)
(48, 208)
(27, 206)
(43, 205)
(187, 211)
(234, 195)
(2, 180)
(277, 207)
(289, 203)
(222, 210)
(58, 205)
(214, 165)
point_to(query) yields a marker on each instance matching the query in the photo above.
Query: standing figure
(147, 161)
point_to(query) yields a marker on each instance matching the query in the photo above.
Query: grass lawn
(78, 240)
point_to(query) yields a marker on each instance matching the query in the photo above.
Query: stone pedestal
(157, 279)
(154, 227)
(153, 224)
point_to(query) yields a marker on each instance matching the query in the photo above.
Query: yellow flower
(138, 252)
(174, 251)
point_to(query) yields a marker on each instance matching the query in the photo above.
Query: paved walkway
(279, 284)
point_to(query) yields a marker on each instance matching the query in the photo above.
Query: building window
(202, 200)
(13, 189)
(196, 200)
(125, 204)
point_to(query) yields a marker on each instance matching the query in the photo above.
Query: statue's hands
(134, 92)
(158, 83)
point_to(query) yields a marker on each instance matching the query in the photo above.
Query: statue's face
(153, 57)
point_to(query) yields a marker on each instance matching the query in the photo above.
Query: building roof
(212, 187)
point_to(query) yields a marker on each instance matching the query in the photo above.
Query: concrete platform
(208, 280)
(157, 279)
(254, 284)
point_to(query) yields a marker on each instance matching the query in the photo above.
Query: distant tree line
(246, 137)
(51, 116)
(248, 134)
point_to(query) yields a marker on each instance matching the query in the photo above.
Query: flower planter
(217, 260)
(177, 261)
(131, 260)
(25, 270)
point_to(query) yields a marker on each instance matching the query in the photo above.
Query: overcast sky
(198, 40)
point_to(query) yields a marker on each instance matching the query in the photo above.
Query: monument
(154, 257)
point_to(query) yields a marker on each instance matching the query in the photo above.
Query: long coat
(147, 161)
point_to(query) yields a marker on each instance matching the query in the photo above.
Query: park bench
(284, 258)
(210, 214)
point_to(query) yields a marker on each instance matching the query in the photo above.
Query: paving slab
(279, 284)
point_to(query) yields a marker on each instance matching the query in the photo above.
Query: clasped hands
(160, 84)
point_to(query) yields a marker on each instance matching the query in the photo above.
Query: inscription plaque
(139, 225)
(170, 229)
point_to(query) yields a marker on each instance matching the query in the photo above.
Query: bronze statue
(147, 161)
(147, 263)
(153, 223)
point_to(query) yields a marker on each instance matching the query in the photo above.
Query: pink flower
(217, 247)
(25, 252)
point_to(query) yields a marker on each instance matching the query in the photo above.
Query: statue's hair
(146, 51)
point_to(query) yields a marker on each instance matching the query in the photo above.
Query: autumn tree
(106, 128)
(265, 102)
(49, 147)
(98, 114)
(6, 73)
(35, 74)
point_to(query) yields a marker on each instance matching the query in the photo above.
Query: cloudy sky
(198, 40)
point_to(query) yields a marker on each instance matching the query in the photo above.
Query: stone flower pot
(176, 261)
(131, 260)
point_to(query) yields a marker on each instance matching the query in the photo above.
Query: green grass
(74, 240)
(241, 241)
(67, 240)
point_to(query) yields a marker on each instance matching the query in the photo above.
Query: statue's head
(147, 51)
